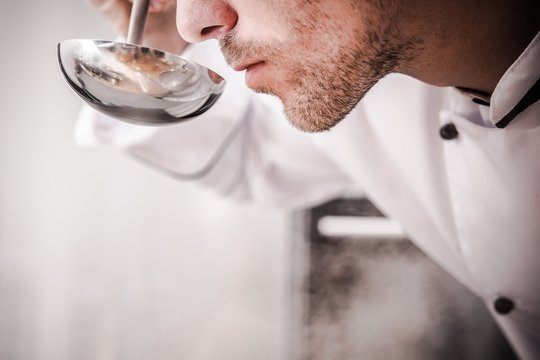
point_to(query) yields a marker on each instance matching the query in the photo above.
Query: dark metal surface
(382, 298)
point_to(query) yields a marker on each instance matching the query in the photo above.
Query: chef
(431, 107)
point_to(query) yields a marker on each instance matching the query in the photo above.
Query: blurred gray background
(102, 258)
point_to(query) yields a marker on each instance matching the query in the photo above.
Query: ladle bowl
(138, 84)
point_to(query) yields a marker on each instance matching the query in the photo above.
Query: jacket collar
(516, 83)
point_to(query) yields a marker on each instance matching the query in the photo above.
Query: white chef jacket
(464, 190)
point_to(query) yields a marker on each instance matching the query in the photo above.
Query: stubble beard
(324, 91)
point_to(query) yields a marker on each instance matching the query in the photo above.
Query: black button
(503, 305)
(448, 131)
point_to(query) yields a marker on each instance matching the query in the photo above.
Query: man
(457, 166)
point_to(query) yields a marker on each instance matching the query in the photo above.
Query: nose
(198, 20)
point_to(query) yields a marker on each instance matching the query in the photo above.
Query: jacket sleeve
(242, 147)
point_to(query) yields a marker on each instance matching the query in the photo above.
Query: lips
(240, 67)
(255, 75)
(245, 66)
(252, 68)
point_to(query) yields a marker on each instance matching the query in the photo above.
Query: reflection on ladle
(135, 83)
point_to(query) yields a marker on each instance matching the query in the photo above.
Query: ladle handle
(137, 20)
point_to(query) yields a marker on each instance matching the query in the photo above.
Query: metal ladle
(134, 83)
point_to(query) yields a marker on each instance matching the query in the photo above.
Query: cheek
(263, 20)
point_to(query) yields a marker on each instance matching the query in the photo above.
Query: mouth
(252, 70)
(245, 66)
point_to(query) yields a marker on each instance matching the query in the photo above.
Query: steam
(384, 299)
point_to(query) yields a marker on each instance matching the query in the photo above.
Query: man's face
(318, 56)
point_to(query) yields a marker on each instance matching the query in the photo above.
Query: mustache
(239, 51)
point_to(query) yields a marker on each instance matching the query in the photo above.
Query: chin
(305, 109)
(312, 115)
(306, 121)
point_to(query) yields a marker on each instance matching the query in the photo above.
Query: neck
(471, 44)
